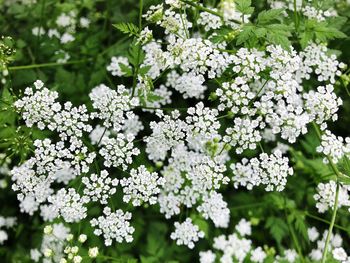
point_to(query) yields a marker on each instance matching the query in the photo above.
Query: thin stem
(103, 134)
(261, 147)
(294, 238)
(223, 116)
(325, 221)
(330, 229)
(166, 108)
(330, 161)
(183, 24)
(40, 26)
(296, 22)
(223, 148)
(335, 207)
(44, 65)
(257, 94)
(259, 204)
(137, 66)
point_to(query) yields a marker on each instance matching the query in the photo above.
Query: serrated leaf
(128, 28)
(246, 33)
(153, 97)
(134, 57)
(223, 34)
(244, 6)
(321, 31)
(267, 16)
(279, 39)
(144, 70)
(299, 224)
(127, 71)
(277, 227)
(260, 32)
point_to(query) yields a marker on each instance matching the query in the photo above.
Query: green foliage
(267, 28)
(322, 31)
(277, 227)
(244, 6)
(128, 28)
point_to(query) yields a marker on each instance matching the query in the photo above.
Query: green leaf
(344, 179)
(126, 70)
(277, 227)
(246, 33)
(223, 34)
(267, 16)
(134, 57)
(336, 21)
(299, 223)
(128, 28)
(144, 70)
(276, 37)
(244, 6)
(201, 223)
(260, 32)
(321, 31)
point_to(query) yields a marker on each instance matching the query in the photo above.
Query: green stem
(294, 238)
(326, 221)
(44, 65)
(261, 147)
(40, 26)
(137, 66)
(183, 24)
(330, 161)
(335, 207)
(330, 229)
(166, 108)
(296, 19)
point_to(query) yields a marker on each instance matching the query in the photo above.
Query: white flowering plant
(175, 131)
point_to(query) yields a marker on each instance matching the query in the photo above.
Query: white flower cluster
(118, 151)
(52, 244)
(325, 196)
(67, 24)
(34, 177)
(58, 245)
(115, 67)
(112, 106)
(113, 225)
(335, 246)
(318, 14)
(235, 247)
(269, 170)
(69, 204)
(322, 104)
(5, 222)
(244, 134)
(141, 186)
(209, 21)
(186, 233)
(264, 99)
(99, 187)
(39, 107)
(199, 56)
(215, 208)
(333, 146)
(191, 85)
(316, 59)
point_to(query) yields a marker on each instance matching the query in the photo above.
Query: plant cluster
(207, 131)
